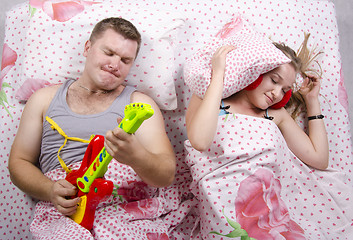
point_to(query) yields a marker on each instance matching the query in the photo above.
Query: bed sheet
(281, 20)
(248, 183)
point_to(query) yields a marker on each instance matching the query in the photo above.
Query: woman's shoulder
(280, 116)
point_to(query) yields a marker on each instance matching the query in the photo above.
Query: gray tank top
(76, 125)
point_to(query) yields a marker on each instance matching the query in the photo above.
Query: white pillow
(57, 33)
(254, 55)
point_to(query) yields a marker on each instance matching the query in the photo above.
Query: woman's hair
(119, 25)
(302, 60)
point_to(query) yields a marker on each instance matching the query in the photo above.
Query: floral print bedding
(275, 201)
(249, 184)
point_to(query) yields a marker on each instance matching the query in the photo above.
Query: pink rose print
(342, 93)
(231, 28)
(134, 191)
(8, 60)
(142, 209)
(260, 210)
(36, 3)
(60, 10)
(157, 236)
(29, 87)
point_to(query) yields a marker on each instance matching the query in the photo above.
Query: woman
(256, 100)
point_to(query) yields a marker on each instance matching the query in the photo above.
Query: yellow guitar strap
(56, 127)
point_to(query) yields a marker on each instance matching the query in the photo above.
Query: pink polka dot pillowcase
(57, 33)
(254, 55)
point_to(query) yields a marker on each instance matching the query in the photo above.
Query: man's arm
(148, 151)
(25, 153)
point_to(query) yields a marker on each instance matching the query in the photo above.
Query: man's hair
(119, 25)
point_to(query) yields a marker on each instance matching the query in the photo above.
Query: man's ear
(88, 45)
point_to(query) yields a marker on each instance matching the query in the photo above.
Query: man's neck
(86, 101)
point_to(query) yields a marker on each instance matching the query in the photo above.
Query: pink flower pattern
(9, 58)
(29, 87)
(134, 191)
(139, 201)
(260, 210)
(157, 236)
(59, 10)
(146, 208)
(231, 28)
(342, 93)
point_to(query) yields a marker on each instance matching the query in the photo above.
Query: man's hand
(122, 146)
(60, 195)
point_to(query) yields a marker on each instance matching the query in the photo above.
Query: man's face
(109, 59)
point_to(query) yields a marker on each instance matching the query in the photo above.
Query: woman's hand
(219, 59)
(310, 88)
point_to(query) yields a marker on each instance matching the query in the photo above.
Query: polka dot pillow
(57, 33)
(254, 54)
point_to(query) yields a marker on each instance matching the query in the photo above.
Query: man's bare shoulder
(45, 93)
(42, 98)
(141, 97)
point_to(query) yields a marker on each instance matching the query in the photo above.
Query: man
(90, 105)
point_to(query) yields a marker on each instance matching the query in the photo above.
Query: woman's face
(273, 86)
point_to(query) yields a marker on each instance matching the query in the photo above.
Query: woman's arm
(202, 114)
(311, 148)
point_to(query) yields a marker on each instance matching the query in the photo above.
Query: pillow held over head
(254, 55)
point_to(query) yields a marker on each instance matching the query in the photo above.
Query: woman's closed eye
(284, 90)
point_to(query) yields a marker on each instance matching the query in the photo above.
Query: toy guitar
(92, 188)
